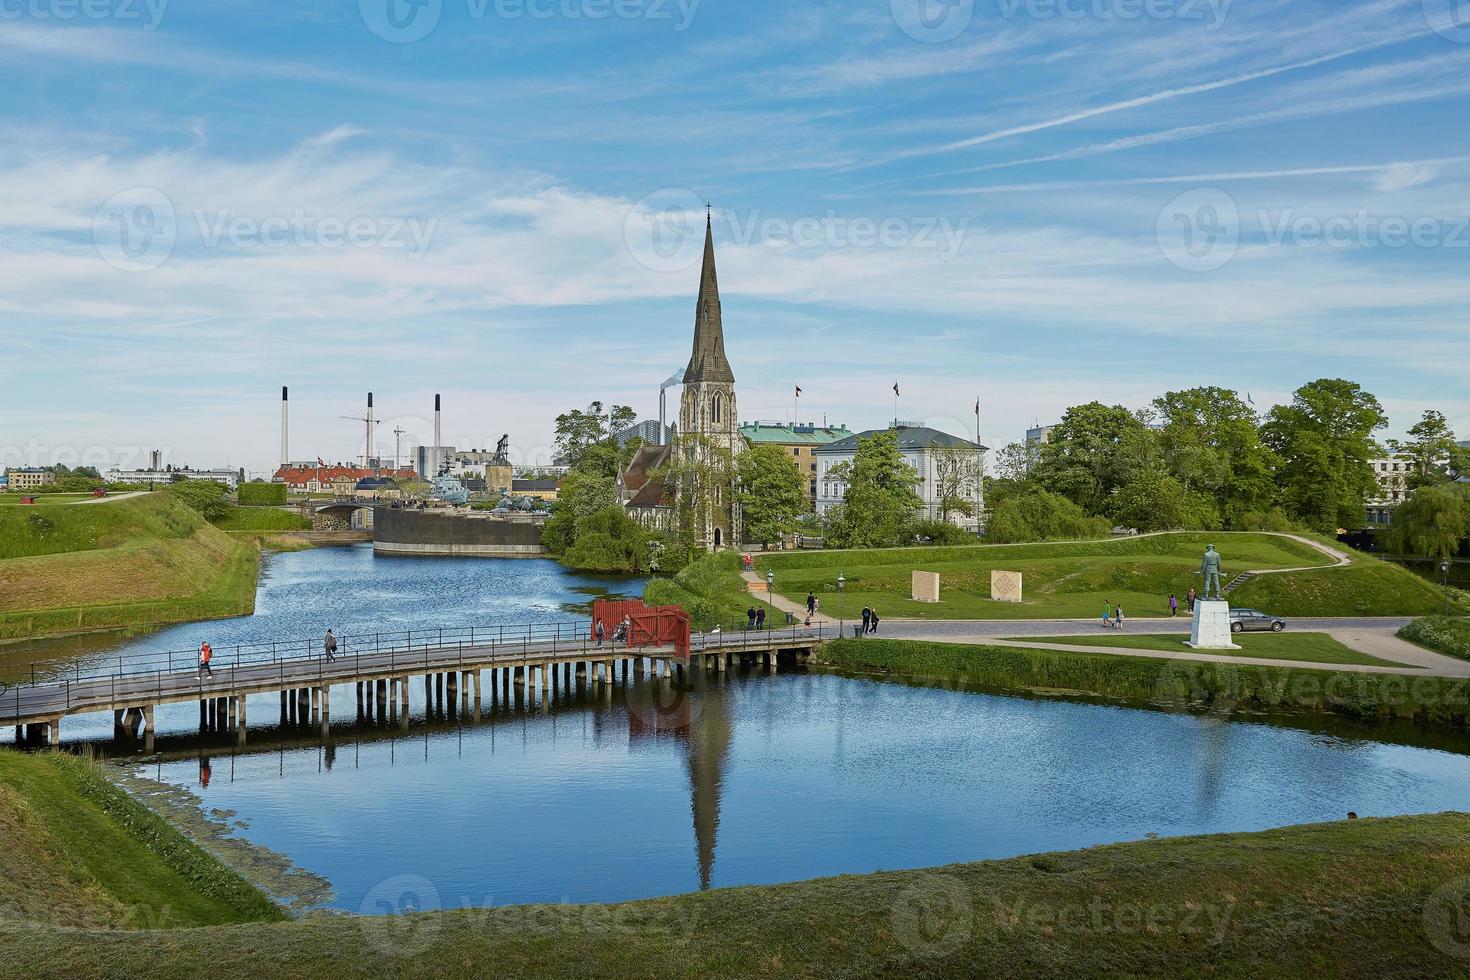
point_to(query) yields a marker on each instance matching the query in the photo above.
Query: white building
(921, 448)
(1392, 476)
(230, 478)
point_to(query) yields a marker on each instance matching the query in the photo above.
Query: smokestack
(367, 447)
(285, 430)
(438, 463)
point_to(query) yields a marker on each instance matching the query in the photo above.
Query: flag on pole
(895, 389)
(798, 391)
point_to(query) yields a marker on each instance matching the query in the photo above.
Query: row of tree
(1204, 459)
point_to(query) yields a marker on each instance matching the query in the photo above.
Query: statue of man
(1210, 569)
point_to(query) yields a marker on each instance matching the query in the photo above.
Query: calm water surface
(749, 778)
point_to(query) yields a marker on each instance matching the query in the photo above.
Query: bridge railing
(395, 649)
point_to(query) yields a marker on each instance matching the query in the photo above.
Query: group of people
(1189, 597)
(1112, 615)
(619, 634)
(870, 620)
(755, 618)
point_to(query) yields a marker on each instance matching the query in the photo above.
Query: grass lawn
(1309, 647)
(80, 852)
(1351, 898)
(12, 498)
(1448, 635)
(261, 519)
(1072, 580)
(135, 562)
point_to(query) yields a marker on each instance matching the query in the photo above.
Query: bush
(261, 494)
(711, 591)
(942, 532)
(1040, 515)
(210, 499)
(1443, 634)
(608, 541)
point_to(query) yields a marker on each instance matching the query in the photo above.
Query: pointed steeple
(708, 362)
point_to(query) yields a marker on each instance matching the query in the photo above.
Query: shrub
(942, 532)
(261, 494)
(608, 541)
(1444, 634)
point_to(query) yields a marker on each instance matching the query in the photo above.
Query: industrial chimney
(367, 447)
(285, 444)
(438, 462)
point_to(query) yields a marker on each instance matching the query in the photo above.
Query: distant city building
(1039, 435)
(321, 478)
(800, 442)
(4, 481)
(29, 477)
(920, 447)
(376, 488)
(1392, 476)
(230, 478)
(543, 490)
(647, 431)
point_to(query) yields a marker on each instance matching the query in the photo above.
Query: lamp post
(771, 587)
(841, 582)
(1444, 569)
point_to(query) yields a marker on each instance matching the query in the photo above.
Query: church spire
(708, 362)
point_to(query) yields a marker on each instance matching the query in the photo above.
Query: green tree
(1015, 461)
(1324, 441)
(1432, 522)
(210, 499)
(880, 504)
(1035, 514)
(1155, 501)
(1432, 450)
(1211, 443)
(581, 496)
(578, 430)
(1093, 451)
(608, 540)
(773, 494)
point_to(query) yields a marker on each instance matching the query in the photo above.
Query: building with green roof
(799, 440)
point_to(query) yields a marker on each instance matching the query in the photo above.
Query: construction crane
(368, 422)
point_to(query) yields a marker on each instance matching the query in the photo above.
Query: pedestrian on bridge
(601, 632)
(760, 618)
(750, 618)
(329, 646)
(206, 654)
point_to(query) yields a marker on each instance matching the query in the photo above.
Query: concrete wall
(417, 532)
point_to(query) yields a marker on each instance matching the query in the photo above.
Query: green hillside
(1074, 579)
(141, 561)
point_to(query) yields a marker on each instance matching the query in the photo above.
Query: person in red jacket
(206, 654)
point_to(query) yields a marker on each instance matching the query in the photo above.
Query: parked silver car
(1254, 621)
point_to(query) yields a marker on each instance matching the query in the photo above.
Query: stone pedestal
(1005, 586)
(1211, 628)
(926, 587)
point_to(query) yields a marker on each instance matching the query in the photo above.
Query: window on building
(714, 410)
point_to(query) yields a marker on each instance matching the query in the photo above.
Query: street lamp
(1444, 568)
(771, 587)
(841, 582)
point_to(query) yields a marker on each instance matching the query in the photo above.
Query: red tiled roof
(301, 475)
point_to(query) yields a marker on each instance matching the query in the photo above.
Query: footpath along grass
(1176, 684)
(80, 852)
(137, 562)
(1318, 648)
(1443, 634)
(1072, 580)
(1365, 898)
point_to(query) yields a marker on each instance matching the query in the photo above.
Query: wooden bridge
(452, 662)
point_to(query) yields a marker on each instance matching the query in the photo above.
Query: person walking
(1107, 613)
(1118, 617)
(811, 603)
(750, 618)
(329, 646)
(601, 632)
(1191, 599)
(760, 618)
(873, 622)
(1173, 605)
(867, 618)
(206, 654)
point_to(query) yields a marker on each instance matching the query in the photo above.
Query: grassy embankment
(142, 561)
(1442, 634)
(1318, 648)
(710, 590)
(1176, 684)
(261, 519)
(79, 852)
(1073, 579)
(1353, 898)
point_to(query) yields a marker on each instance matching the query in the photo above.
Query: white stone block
(1211, 628)
(926, 587)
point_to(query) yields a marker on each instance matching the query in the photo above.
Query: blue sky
(1036, 202)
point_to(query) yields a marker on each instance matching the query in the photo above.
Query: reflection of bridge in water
(452, 665)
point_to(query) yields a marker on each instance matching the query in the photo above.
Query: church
(707, 438)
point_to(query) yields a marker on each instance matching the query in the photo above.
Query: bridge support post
(403, 695)
(55, 733)
(546, 671)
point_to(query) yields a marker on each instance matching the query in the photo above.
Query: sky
(1032, 203)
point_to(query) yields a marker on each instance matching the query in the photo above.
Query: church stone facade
(709, 426)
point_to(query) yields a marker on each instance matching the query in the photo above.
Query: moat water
(741, 779)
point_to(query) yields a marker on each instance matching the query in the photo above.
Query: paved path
(109, 499)
(779, 601)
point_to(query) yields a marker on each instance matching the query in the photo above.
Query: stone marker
(926, 586)
(1005, 586)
